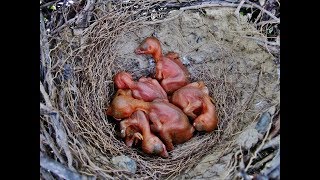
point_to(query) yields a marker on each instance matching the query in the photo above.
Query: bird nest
(77, 68)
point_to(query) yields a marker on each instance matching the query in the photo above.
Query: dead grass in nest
(77, 86)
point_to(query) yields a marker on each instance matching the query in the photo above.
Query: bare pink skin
(131, 134)
(195, 102)
(151, 144)
(175, 57)
(167, 120)
(119, 108)
(169, 69)
(146, 89)
(170, 123)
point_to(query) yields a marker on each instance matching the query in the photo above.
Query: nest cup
(83, 70)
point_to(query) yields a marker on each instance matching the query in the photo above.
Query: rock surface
(125, 163)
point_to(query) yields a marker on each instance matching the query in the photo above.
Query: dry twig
(237, 12)
(277, 20)
(204, 5)
(59, 169)
(259, 148)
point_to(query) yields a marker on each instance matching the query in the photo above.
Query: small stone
(126, 163)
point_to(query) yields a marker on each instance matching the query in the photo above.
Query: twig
(42, 139)
(70, 21)
(45, 174)
(231, 165)
(272, 47)
(77, 19)
(272, 21)
(217, 4)
(50, 142)
(85, 14)
(274, 50)
(204, 5)
(59, 169)
(45, 96)
(237, 12)
(56, 119)
(264, 160)
(45, 55)
(262, 9)
(263, 41)
(275, 142)
(48, 4)
(258, 17)
(259, 148)
(272, 165)
(254, 90)
(276, 128)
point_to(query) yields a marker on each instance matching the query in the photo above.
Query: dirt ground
(214, 38)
